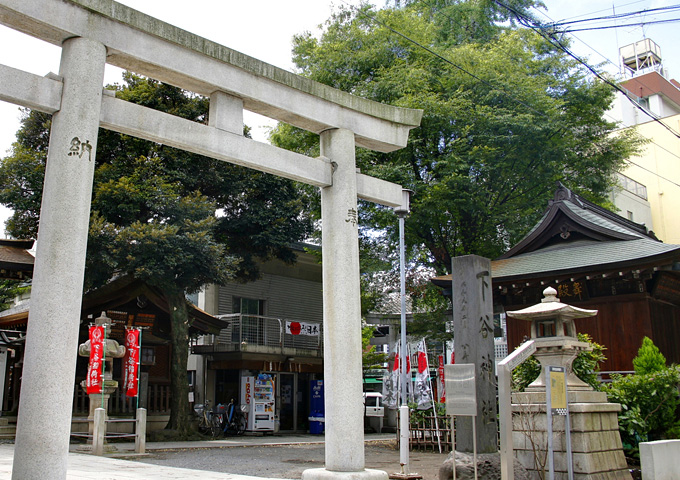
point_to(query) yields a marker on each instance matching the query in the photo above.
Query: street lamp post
(401, 212)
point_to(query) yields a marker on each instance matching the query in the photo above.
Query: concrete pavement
(86, 466)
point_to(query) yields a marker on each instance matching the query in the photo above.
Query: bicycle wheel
(204, 426)
(240, 421)
(216, 425)
(232, 428)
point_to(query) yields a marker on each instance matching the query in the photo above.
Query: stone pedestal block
(597, 452)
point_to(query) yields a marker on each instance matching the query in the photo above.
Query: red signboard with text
(131, 363)
(94, 370)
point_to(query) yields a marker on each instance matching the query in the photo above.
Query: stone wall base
(595, 440)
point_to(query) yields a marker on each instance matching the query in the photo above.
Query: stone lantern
(596, 450)
(554, 334)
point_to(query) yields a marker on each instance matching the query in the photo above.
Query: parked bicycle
(208, 422)
(233, 421)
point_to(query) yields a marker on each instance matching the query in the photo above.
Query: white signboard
(302, 328)
(461, 392)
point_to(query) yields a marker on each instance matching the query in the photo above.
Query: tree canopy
(506, 116)
(173, 219)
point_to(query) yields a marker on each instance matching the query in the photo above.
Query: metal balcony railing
(256, 333)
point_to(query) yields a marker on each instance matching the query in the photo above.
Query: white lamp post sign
(461, 400)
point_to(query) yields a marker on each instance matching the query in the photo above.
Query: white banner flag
(423, 393)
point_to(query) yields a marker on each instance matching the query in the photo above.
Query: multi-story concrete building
(650, 182)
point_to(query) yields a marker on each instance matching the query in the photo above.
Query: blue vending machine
(316, 407)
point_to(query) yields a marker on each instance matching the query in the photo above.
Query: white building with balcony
(275, 328)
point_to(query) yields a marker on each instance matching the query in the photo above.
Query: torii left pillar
(41, 449)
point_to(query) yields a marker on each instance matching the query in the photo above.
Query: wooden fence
(429, 433)
(157, 401)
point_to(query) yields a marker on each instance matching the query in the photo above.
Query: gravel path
(288, 461)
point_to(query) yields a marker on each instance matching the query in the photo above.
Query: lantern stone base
(595, 440)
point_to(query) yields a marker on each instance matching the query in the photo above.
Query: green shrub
(648, 405)
(585, 366)
(416, 416)
(649, 359)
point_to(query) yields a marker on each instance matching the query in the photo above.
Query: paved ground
(241, 458)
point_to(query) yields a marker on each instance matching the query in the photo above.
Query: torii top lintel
(146, 45)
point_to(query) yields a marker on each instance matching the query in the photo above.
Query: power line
(654, 173)
(441, 57)
(529, 23)
(639, 79)
(607, 27)
(560, 46)
(603, 10)
(614, 16)
(587, 66)
(651, 139)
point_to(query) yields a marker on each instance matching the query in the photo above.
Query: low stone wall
(659, 460)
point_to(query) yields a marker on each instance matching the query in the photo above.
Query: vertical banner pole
(453, 445)
(474, 442)
(139, 365)
(567, 430)
(103, 365)
(434, 400)
(548, 412)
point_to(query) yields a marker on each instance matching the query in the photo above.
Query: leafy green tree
(9, 289)
(175, 220)
(370, 358)
(506, 116)
(649, 359)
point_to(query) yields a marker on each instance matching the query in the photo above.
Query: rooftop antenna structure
(641, 57)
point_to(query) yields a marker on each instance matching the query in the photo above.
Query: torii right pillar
(342, 317)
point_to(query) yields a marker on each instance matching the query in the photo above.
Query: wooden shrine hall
(595, 259)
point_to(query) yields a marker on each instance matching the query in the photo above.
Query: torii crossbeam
(95, 32)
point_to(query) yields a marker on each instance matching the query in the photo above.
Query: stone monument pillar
(595, 440)
(342, 317)
(52, 334)
(473, 343)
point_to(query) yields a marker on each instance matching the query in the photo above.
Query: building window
(148, 356)
(644, 102)
(629, 214)
(247, 305)
(251, 327)
(632, 186)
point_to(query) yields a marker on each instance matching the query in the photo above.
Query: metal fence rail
(247, 331)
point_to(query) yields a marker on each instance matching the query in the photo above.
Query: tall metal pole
(401, 212)
(402, 285)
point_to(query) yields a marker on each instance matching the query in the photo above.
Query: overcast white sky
(264, 29)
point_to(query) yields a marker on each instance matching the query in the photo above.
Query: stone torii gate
(94, 32)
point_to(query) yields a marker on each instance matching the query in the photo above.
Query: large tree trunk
(179, 385)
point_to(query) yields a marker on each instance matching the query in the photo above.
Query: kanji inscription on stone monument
(473, 338)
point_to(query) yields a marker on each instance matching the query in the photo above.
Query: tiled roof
(17, 256)
(596, 218)
(576, 236)
(583, 255)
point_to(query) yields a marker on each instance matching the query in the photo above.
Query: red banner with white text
(131, 362)
(94, 370)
